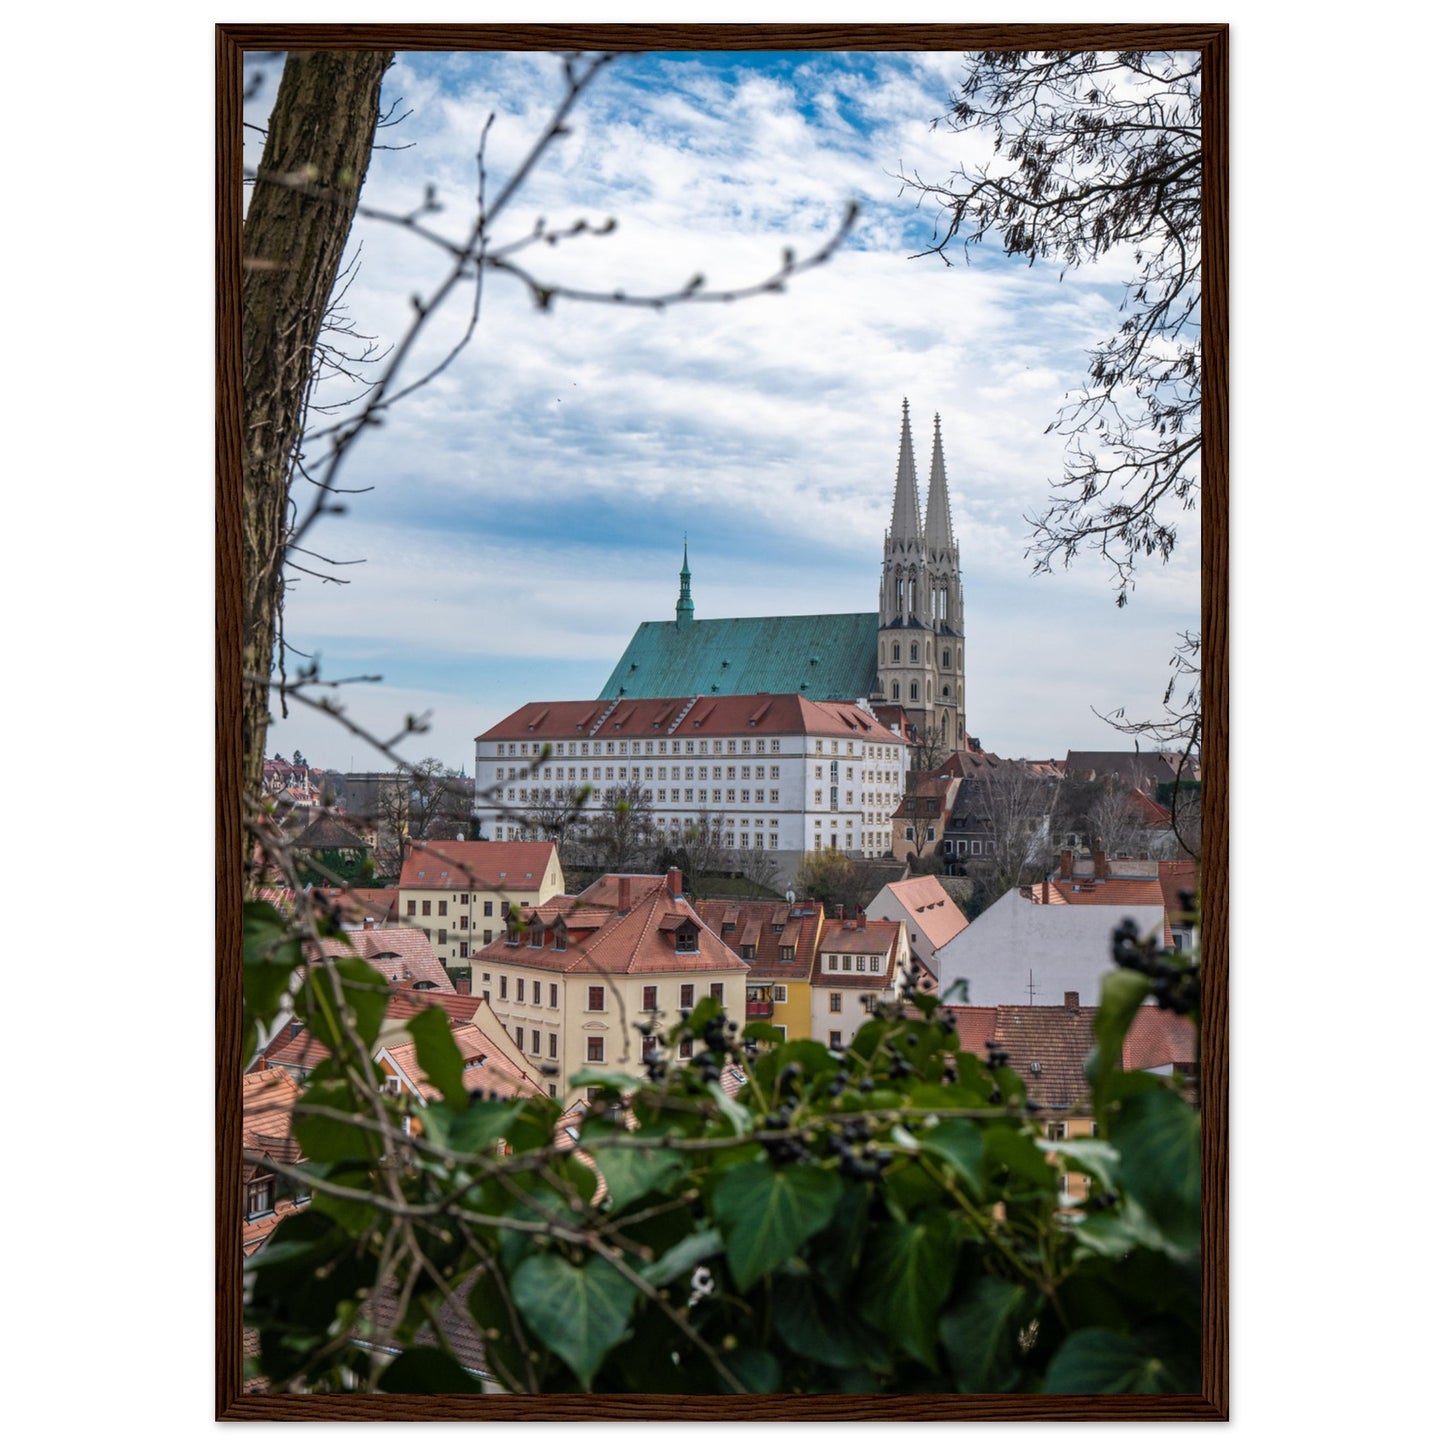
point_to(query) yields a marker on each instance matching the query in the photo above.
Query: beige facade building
(460, 894)
(585, 980)
(856, 968)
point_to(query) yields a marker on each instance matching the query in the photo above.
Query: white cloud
(528, 506)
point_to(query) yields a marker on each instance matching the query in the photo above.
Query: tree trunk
(317, 149)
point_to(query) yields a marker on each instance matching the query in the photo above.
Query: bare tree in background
(1096, 152)
(1013, 805)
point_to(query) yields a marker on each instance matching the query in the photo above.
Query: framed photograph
(722, 777)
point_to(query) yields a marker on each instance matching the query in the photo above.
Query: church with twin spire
(906, 660)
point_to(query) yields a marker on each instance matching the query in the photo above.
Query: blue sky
(527, 510)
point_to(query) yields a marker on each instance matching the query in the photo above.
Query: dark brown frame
(1213, 1402)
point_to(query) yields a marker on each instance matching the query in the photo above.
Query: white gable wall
(1059, 948)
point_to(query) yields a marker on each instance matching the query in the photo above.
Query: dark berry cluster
(1173, 984)
(859, 1157)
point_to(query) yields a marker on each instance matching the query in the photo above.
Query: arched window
(945, 689)
(913, 691)
(895, 652)
(947, 658)
(898, 602)
(912, 596)
(913, 652)
(895, 692)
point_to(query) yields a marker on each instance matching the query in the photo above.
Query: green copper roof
(824, 657)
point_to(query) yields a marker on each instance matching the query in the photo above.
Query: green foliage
(886, 1218)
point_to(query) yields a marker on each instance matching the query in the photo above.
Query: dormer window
(685, 939)
(260, 1196)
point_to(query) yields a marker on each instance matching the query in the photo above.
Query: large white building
(781, 773)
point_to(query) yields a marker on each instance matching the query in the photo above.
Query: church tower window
(895, 692)
(913, 652)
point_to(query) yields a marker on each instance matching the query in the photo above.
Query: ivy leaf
(364, 994)
(270, 958)
(603, 1079)
(959, 1143)
(1121, 993)
(1017, 1152)
(758, 1371)
(1104, 1362)
(426, 1370)
(439, 1057)
(731, 1110)
(1157, 1135)
(332, 1141)
(478, 1129)
(909, 1276)
(818, 1330)
(683, 1257)
(1096, 1158)
(580, 1313)
(504, 1345)
(766, 1213)
(980, 1335)
(632, 1173)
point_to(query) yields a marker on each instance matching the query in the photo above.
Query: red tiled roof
(486, 1066)
(1176, 879)
(255, 1232)
(1109, 892)
(1060, 1039)
(267, 1098)
(923, 901)
(838, 935)
(441, 865)
(299, 1050)
(358, 904)
(782, 714)
(1158, 1038)
(753, 923)
(402, 955)
(974, 1025)
(639, 941)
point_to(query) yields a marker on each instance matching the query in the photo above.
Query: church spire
(905, 525)
(938, 530)
(684, 596)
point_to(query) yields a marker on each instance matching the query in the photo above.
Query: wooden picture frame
(232, 41)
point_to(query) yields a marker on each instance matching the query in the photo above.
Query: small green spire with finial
(684, 596)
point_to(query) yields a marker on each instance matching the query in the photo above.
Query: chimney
(674, 882)
(1101, 863)
(1071, 1002)
(1066, 863)
(862, 916)
(838, 911)
(624, 895)
(367, 924)
(464, 983)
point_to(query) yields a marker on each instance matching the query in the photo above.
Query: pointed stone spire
(905, 526)
(684, 596)
(938, 530)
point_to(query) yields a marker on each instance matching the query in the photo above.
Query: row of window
(614, 747)
(596, 994)
(867, 962)
(835, 1006)
(913, 654)
(442, 908)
